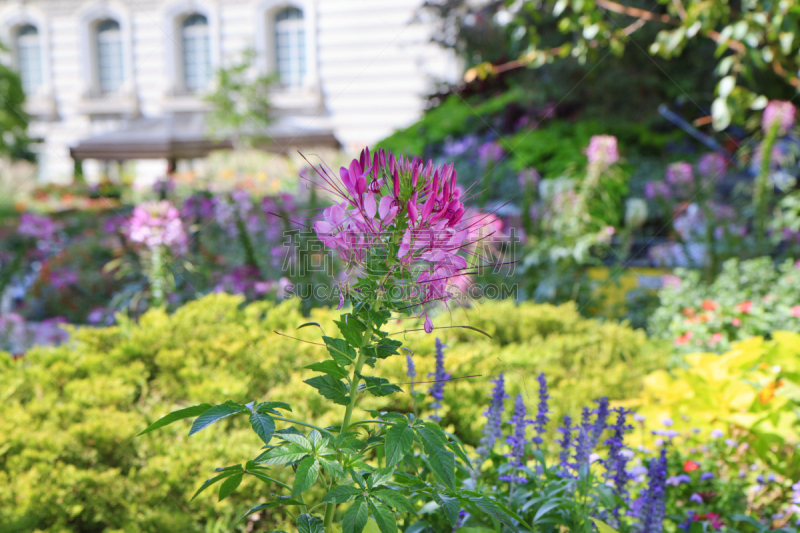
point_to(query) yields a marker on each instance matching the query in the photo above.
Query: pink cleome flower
(411, 209)
(780, 112)
(157, 224)
(602, 151)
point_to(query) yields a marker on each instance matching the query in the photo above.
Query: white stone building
(356, 69)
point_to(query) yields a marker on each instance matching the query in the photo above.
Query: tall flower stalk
(400, 224)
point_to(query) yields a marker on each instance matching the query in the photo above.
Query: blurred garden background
(636, 162)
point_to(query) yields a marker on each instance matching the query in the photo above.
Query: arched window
(196, 53)
(29, 58)
(290, 46)
(109, 56)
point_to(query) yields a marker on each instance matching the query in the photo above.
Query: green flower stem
(330, 508)
(157, 276)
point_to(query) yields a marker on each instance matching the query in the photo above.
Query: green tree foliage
(240, 103)
(14, 140)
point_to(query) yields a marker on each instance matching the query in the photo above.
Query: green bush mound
(70, 459)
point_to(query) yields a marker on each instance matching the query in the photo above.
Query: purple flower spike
(542, 409)
(517, 440)
(440, 377)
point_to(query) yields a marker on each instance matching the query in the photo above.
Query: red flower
(690, 466)
(745, 307)
(684, 339)
(709, 305)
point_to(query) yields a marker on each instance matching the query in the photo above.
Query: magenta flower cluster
(156, 224)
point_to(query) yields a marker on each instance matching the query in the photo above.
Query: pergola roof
(185, 136)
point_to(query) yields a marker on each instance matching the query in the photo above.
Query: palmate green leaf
(332, 467)
(352, 329)
(380, 477)
(398, 441)
(229, 485)
(218, 412)
(189, 412)
(263, 425)
(355, 518)
(282, 455)
(393, 498)
(307, 523)
(225, 474)
(384, 517)
(451, 507)
(342, 353)
(270, 407)
(332, 368)
(492, 509)
(305, 476)
(341, 494)
(380, 386)
(330, 388)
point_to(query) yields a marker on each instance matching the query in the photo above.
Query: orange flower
(709, 305)
(688, 311)
(690, 466)
(768, 393)
(704, 317)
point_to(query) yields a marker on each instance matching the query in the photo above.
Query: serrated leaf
(305, 476)
(387, 347)
(307, 523)
(342, 353)
(259, 507)
(450, 506)
(181, 414)
(269, 407)
(380, 386)
(396, 500)
(384, 517)
(207, 483)
(229, 485)
(491, 508)
(399, 440)
(216, 413)
(332, 467)
(330, 388)
(351, 328)
(296, 438)
(355, 518)
(380, 477)
(341, 494)
(263, 425)
(332, 368)
(443, 464)
(282, 455)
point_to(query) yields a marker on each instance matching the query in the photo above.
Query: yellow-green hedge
(70, 461)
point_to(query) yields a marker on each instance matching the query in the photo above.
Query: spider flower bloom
(712, 165)
(602, 151)
(402, 212)
(778, 112)
(680, 175)
(157, 224)
(42, 229)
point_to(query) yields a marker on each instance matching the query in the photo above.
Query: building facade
(358, 68)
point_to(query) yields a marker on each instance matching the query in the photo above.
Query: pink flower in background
(670, 280)
(40, 228)
(796, 311)
(716, 337)
(680, 175)
(490, 152)
(529, 178)
(712, 165)
(778, 112)
(657, 189)
(684, 339)
(115, 224)
(157, 224)
(602, 151)
(63, 277)
(736, 322)
(745, 307)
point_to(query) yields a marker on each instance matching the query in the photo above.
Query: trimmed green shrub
(70, 459)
